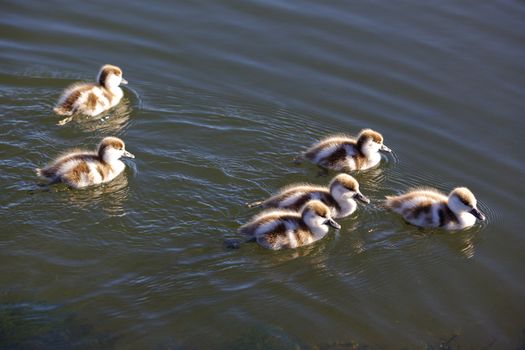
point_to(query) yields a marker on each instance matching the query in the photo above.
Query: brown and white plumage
(339, 196)
(427, 207)
(280, 229)
(93, 98)
(344, 153)
(83, 168)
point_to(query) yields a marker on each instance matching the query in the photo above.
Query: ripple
(222, 97)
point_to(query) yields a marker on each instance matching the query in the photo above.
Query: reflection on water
(110, 196)
(467, 250)
(463, 242)
(216, 110)
(109, 122)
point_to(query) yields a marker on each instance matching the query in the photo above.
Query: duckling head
(316, 214)
(370, 142)
(110, 76)
(462, 200)
(111, 149)
(344, 185)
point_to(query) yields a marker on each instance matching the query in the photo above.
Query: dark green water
(222, 96)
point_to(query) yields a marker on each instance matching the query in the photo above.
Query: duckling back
(294, 196)
(77, 170)
(333, 152)
(87, 99)
(277, 229)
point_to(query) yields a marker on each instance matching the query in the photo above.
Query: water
(222, 96)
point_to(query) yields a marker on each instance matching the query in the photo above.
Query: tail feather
(254, 204)
(61, 110)
(44, 173)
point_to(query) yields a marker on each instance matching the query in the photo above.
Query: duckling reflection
(110, 197)
(112, 122)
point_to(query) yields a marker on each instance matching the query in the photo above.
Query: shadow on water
(278, 339)
(42, 326)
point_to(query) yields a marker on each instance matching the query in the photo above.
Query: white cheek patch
(112, 81)
(340, 192)
(112, 155)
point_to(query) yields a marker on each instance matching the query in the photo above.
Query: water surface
(222, 96)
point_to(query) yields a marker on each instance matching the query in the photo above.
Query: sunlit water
(222, 97)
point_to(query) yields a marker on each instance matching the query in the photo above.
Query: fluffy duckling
(431, 208)
(343, 153)
(280, 229)
(93, 99)
(83, 168)
(339, 196)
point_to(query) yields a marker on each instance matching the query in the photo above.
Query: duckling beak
(127, 154)
(479, 215)
(124, 81)
(331, 222)
(360, 197)
(385, 149)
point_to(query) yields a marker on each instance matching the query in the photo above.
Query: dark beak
(479, 215)
(360, 197)
(385, 149)
(129, 155)
(331, 222)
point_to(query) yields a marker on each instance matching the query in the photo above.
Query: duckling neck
(458, 219)
(465, 219)
(347, 205)
(115, 91)
(110, 160)
(370, 155)
(319, 231)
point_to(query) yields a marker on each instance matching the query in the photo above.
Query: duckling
(93, 99)
(344, 153)
(427, 207)
(339, 196)
(79, 169)
(280, 229)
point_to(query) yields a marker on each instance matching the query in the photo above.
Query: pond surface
(222, 96)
